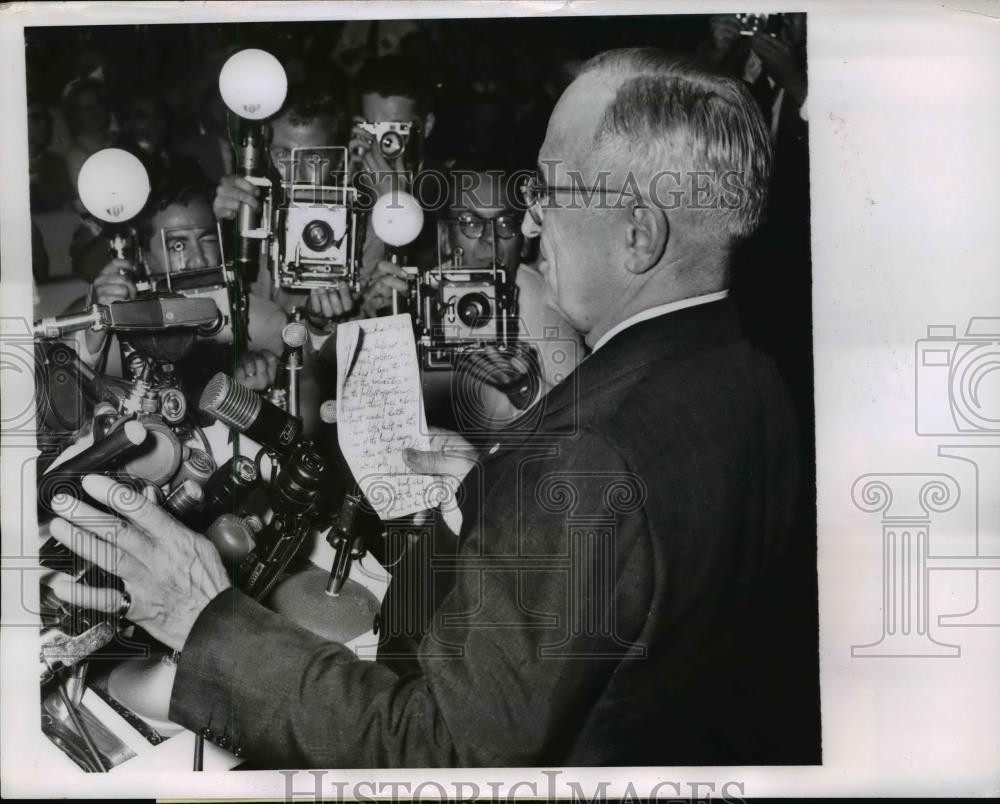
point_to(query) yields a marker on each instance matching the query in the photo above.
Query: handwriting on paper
(380, 412)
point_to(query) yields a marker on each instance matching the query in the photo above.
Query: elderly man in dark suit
(604, 596)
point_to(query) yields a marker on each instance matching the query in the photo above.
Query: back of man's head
(688, 136)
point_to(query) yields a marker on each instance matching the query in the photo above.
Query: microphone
(241, 409)
(294, 335)
(65, 477)
(186, 498)
(101, 454)
(163, 312)
(234, 536)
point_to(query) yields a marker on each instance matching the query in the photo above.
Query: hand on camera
(256, 370)
(110, 286)
(170, 572)
(329, 305)
(449, 460)
(387, 174)
(230, 194)
(377, 294)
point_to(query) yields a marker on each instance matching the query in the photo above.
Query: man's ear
(429, 121)
(646, 236)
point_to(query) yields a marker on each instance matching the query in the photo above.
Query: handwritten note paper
(380, 412)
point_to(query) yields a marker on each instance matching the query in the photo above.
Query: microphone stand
(347, 546)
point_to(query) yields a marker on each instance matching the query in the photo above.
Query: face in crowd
(87, 113)
(376, 108)
(484, 220)
(289, 133)
(191, 237)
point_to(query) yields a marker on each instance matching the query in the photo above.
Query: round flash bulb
(113, 185)
(253, 84)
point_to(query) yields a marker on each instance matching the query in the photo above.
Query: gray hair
(673, 115)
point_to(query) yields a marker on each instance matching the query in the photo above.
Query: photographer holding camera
(392, 122)
(184, 214)
(553, 641)
(483, 224)
(312, 117)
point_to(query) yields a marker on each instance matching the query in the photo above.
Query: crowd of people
(491, 100)
(153, 90)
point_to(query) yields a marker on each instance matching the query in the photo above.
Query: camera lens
(317, 235)
(474, 310)
(391, 144)
(214, 328)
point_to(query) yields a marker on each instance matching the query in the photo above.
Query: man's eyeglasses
(504, 226)
(537, 194)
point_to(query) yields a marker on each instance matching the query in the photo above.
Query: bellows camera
(392, 138)
(466, 302)
(320, 222)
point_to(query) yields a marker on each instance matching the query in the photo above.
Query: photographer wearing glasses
(493, 386)
(606, 605)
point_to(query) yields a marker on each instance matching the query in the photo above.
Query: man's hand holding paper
(380, 414)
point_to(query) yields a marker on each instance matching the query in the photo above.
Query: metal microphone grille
(229, 402)
(294, 334)
(185, 498)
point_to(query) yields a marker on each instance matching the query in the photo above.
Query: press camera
(465, 303)
(318, 244)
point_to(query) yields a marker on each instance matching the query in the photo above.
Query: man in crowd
(611, 566)
(386, 90)
(183, 213)
(311, 118)
(50, 186)
(482, 227)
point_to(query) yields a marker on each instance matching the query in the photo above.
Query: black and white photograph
(417, 389)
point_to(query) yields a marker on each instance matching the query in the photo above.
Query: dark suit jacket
(602, 605)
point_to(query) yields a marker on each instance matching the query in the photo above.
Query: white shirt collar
(656, 312)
